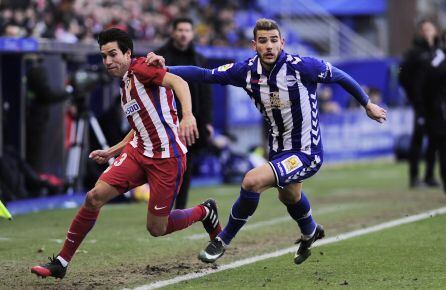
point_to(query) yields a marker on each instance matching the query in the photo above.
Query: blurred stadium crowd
(148, 20)
(368, 41)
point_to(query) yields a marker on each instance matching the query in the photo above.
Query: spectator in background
(73, 21)
(436, 106)
(180, 50)
(375, 96)
(326, 103)
(413, 77)
(40, 98)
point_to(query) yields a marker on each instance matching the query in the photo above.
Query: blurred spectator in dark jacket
(41, 96)
(180, 50)
(413, 77)
(436, 106)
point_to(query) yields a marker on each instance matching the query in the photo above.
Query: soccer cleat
(304, 248)
(54, 269)
(213, 251)
(210, 222)
(431, 182)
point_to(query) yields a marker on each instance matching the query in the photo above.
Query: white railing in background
(314, 24)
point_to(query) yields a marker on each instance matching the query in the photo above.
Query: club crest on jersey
(131, 108)
(275, 101)
(127, 83)
(291, 163)
(225, 67)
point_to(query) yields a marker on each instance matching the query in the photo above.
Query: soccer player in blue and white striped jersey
(283, 88)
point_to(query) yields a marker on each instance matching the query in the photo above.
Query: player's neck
(267, 67)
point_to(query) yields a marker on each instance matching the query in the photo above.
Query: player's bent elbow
(175, 82)
(182, 83)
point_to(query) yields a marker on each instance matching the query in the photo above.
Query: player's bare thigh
(259, 179)
(290, 194)
(99, 195)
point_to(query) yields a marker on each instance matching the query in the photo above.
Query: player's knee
(93, 200)
(251, 182)
(289, 198)
(156, 230)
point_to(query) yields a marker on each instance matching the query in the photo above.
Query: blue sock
(242, 209)
(301, 213)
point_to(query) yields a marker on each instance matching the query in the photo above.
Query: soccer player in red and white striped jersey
(153, 151)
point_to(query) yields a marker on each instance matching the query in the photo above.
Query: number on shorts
(120, 160)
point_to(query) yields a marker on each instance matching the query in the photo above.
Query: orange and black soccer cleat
(52, 269)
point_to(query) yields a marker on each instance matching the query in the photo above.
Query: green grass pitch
(119, 253)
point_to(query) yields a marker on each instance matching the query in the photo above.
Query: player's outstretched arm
(188, 124)
(189, 73)
(102, 156)
(375, 112)
(350, 85)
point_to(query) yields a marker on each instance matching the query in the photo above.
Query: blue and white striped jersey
(286, 96)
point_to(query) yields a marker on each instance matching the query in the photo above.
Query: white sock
(62, 261)
(224, 244)
(307, 237)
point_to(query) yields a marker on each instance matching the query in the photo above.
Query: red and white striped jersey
(151, 111)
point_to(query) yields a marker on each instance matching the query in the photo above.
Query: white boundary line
(278, 253)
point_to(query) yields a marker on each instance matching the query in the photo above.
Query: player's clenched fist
(156, 60)
(99, 156)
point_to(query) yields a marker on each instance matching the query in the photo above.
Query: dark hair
(120, 36)
(423, 21)
(265, 24)
(179, 20)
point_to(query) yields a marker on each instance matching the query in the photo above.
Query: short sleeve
(229, 74)
(318, 70)
(148, 75)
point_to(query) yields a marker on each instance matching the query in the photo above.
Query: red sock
(182, 218)
(82, 223)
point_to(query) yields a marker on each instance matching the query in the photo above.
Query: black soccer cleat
(211, 222)
(304, 248)
(431, 182)
(213, 251)
(52, 269)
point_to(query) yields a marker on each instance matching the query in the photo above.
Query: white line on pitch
(324, 210)
(330, 240)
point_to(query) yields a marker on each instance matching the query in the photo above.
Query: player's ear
(128, 53)
(282, 40)
(254, 44)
